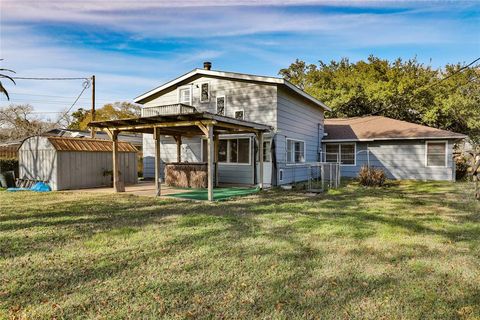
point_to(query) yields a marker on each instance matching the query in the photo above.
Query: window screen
(332, 152)
(239, 115)
(436, 154)
(347, 153)
(243, 150)
(204, 93)
(221, 106)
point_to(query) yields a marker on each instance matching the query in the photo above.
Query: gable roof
(232, 75)
(372, 128)
(92, 145)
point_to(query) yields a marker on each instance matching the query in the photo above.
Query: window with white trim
(340, 152)
(230, 150)
(204, 92)
(239, 114)
(295, 151)
(221, 105)
(185, 95)
(436, 154)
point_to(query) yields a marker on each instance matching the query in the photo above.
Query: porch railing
(166, 110)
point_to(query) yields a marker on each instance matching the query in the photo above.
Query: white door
(267, 163)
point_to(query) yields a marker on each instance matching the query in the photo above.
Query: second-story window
(185, 95)
(221, 105)
(239, 115)
(204, 92)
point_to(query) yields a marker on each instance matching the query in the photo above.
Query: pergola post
(210, 165)
(178, 139)
(216, 141)
(156, 137)
(118, 185)
(260, 158)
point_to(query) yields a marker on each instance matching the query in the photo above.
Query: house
(402, 149)
(300, 134)
(296, 119)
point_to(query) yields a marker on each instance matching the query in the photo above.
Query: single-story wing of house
(402, 149)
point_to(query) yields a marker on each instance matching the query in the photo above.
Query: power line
(451, 75)
(45, 78)
(86, 84)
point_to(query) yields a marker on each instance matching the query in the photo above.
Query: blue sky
(133, 46)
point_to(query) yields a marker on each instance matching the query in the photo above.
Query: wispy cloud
(134, 45)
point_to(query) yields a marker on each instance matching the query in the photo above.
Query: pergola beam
(158, 162)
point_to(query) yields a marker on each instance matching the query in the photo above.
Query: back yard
(411, 251)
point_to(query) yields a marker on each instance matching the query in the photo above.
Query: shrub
(371, 177)
(9, 164)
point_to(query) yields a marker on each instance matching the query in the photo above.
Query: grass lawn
(409, 251)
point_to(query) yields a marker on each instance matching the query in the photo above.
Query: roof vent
(207, 65)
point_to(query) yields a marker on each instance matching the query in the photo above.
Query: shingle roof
(382, 128)
(92, 145)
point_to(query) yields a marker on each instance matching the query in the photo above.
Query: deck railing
(166, 110)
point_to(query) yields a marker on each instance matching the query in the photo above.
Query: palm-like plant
(2, 75)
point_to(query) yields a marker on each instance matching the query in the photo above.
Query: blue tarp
(37, 187)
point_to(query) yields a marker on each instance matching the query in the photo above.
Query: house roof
(232, 75)
(91, 145)
(381, 128)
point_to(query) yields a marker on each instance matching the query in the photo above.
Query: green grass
(219, 194)
(409, 251)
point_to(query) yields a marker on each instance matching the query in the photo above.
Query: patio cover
(178, 125)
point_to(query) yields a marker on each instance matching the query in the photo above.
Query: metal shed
(75, 163)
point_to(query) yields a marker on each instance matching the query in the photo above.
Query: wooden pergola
(182, 125)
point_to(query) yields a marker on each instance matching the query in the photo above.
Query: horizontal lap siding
(401, 160)
(191, 152)
(297, 119)
(257, 100)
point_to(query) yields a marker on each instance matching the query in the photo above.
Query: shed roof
(90, 145)
(381, 128)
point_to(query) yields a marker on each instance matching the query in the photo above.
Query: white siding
(259, 102)
(302, 120)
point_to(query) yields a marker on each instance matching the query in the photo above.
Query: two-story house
(296, 118)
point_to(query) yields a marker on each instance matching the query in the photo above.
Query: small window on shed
(204, 92)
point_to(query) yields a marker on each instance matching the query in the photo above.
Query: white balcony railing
(171, 109)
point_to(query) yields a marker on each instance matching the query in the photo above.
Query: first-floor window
(340, 152)
(295, 151)
(436, 155)
(230, 150)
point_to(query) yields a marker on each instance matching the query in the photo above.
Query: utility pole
(93, 104)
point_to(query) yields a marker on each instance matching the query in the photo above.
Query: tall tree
(404, 90)
(19, 121)
(110, 111)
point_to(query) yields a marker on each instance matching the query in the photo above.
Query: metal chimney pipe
(207, 65)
